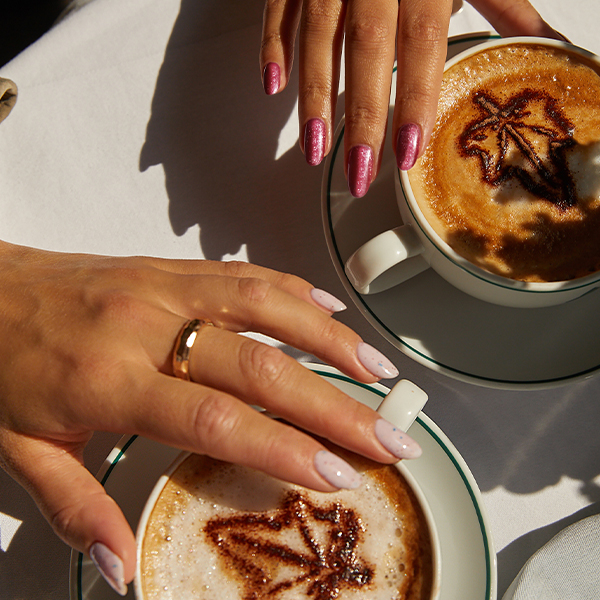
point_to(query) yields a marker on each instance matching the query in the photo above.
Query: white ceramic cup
(399, 254)
(401, 407)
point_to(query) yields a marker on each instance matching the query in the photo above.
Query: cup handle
(403, 404)
(390, 258)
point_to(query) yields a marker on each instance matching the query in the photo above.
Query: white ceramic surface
(468, 558)
(441, 327)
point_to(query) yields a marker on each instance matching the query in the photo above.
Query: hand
(369, 28)
(86, 344)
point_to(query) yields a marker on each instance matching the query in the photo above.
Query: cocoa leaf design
(252, 545)
(531, 126)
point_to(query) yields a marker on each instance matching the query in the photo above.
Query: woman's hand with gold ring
(89, 347)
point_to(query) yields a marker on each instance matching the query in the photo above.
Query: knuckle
(263, 365)
(235, 268)
(67, 520)
(363, 115)
(332, 332)
(424, 29)
(273, 447)
(315, 91)
(290, 281)
(418, 94)
(317, 14)
(64, 521)
(117, 303)
(271, 39)
(253, 291)
(215, 420)
(370, 29)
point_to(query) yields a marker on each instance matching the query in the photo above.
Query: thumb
(75, 504)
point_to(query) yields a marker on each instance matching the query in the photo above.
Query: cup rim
(532, 287)
(145, 516)
(436, 550)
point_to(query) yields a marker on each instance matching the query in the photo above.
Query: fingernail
(360, 168)
(271, 78)
(110, 567)
(336, 471)
(314, 141)
(375, 362)
(394, 440)
(327, 300)
(407, 146)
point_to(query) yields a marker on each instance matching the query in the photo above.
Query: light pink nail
(360, 169)
(396, 441)
(110, 567)
(315, 134)
(327, 300)
(375, 362)
(271, 78)
(336, 471)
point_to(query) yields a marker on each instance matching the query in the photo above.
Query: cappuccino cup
(213, 530)
(504, 203)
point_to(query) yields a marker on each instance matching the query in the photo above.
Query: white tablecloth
(142, 128)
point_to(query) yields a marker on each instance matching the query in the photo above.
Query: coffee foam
(517, 195)
(221, 531)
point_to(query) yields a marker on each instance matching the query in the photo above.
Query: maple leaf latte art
(220, 531)
(511, 178)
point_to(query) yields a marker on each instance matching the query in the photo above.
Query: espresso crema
(221, 532)
(511, 178)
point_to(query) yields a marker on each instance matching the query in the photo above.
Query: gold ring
(183, 347)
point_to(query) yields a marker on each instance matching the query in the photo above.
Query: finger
(370, 48)
(321, 37)
(422, 45)
(280, 23)
(209, 421)
(236, 269)
(515, 17)
(267, 377)
(75, 504)
(255, 305)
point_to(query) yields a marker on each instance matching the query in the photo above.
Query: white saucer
(468, 558)
(440, 326)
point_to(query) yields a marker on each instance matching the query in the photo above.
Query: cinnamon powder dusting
(322, 565)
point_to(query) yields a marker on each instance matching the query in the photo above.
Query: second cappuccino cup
(504, 203)
(212, 530)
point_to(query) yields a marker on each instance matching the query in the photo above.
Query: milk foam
(584, 162)
(488, 198)
(181, 560)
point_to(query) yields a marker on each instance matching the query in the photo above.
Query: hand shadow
(221, 167)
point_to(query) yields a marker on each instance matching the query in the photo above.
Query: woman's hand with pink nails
(374, 32)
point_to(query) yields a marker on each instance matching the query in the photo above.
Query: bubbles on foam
(191, 562)
(499, 227)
